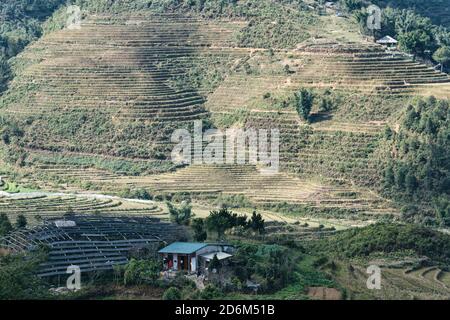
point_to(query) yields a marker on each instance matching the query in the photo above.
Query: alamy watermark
(235, 146)
(74, 17)
(374, 17)
(374, 280)
(74, 281)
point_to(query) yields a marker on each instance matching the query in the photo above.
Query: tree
(442, 209)
(18, 279)
(181, 215)
(214, 263)
(198, 225)
(389, 177)
(256, 223)
(5, 225)
(21, 222)
(304, 101)
(442, 55)
(410, 183)
(220, 221)
(415, 42)
(5, 72)
(350, 5)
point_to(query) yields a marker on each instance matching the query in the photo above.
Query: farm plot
(38, 207)
(397, 283)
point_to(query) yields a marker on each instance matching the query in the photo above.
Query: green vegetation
(181, 215)
(199, 228)
(140, 194)
(5, 225)
(442, 55)
(417, 155)
(21, 24)
(388, 238)
(138, 272)
(21, 222)
(220, 221)
(18, 278)
(416, 34)
(304, 102)
(269, 265)
(172, 294)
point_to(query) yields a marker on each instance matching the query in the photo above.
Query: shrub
(172, 294)
(21, 222)
(181, 215)
(141, 271)
(211, 292)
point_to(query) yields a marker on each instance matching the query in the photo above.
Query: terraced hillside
(423, 283)
(109, 74)
(98, 106)
(38, 206)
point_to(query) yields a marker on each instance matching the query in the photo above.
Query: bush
(389, 238)
(172, 294)
(211, 292)
(18, 279)
(142, 271)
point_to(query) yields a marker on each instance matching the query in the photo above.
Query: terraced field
(212, 181)
(399, 283)
(121, 66)
(36, 207)
(114, 72)
(117, 79)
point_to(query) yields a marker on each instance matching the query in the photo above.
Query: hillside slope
(96, 106)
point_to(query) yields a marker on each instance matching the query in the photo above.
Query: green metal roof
(183, 247)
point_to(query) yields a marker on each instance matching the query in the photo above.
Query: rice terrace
(224, 150)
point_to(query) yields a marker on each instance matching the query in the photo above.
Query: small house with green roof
(193, 256)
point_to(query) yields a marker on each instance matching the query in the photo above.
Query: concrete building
(193, 256)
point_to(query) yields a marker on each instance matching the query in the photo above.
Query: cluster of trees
(222, 220)
(218, 221)
(139, 193)
(389, 238)
(21, 23)
(416, 34)
(138, 272)
(6, 226)
(270, 265)
(18, 279)
(418, 165)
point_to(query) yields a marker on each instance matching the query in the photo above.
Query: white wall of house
(175, 261)
(193, 264)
